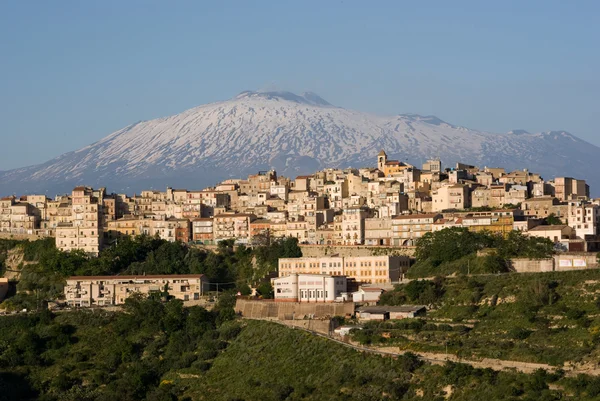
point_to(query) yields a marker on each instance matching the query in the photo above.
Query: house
(554, 233)
(367, 294)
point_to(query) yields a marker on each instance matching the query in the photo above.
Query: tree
(553, 220)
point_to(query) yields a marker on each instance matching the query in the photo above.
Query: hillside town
(392, 204)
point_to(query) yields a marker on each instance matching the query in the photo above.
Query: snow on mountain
(295, 134)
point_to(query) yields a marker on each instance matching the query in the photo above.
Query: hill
(159, 352)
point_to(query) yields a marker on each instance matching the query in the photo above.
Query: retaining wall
(267, 309)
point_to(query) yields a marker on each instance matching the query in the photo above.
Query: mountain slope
(294, 134)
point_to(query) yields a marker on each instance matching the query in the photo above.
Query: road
(440, 359)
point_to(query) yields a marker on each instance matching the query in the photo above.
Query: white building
(367, 294)
(584, 218)
(309, 288)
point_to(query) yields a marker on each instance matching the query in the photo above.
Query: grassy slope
(546, 318)
(270, 362)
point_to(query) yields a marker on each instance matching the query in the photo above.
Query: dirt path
(440, 359)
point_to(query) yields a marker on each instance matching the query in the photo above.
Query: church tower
(381, 160)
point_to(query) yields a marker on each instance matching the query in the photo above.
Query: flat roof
(138, 277)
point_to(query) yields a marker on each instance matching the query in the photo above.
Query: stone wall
(268, 309)
(522, 265)
(575, 261)
(567, 261)
(354, 250)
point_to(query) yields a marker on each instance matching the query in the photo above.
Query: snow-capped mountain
(294, 134)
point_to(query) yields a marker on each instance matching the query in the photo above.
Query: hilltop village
(392, 204)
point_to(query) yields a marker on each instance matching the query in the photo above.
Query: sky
(72, 72)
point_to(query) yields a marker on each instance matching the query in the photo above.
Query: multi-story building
(378, 231)
(407, 229)
(353, 225)
(567, 188)
(202, 230)
(450, 197)
(584, 218)
(114, 290)
(85, 231)
(233, 226)
(364, 269)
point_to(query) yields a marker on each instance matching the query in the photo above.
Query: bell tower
(381, 160)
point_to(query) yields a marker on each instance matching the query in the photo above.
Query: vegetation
(43, 279)
(455, 250)
(553, 220)
(546, 318)
(161, 351)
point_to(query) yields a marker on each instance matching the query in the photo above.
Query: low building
(555, 233)
(309, 288)
(391, 312)
(114, 290)
(367, 294)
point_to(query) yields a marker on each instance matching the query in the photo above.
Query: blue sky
(71, 72)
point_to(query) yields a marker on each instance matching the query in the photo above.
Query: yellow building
(364, 269)
(389, 167)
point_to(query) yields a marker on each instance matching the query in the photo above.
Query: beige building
(364, 269)
(353, 225)
(85, 231)
(544, 206)
(407, 229)
(450, 197)
(553, 233)
(114, 290)
(378, 231)
(300, 287)
(233, 226)
(567, 188)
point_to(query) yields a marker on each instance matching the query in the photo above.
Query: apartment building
(353, 225)
(407, 229)
(568, 188)
(202, 230)
(450, 197)
(85, 291)
(364, 269)
(584, 218)
(233, 226)
(84, 231)
(378, 231)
